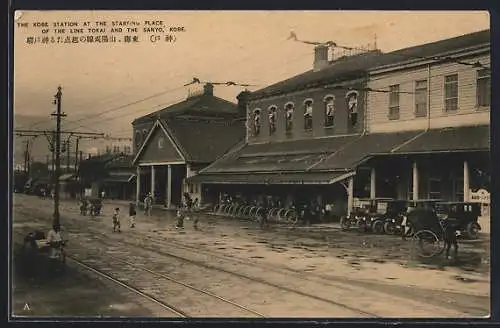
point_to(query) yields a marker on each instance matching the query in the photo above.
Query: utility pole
(58, 114)
(26, 156)
(68, 155)
(76, 153)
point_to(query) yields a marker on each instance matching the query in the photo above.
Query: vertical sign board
(481, 196)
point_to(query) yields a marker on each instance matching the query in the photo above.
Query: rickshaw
(95, 206)
(430, 230)
(402, 225)
(36, 243)
(465, 214)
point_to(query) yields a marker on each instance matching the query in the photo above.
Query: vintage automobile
(368, 215)
(465, 214)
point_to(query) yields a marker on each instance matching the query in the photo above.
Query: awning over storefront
(119, 177)
(365, 147)
(297, 155)
(470, 138)
(273, 178)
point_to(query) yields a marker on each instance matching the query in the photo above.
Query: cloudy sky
(246, 47)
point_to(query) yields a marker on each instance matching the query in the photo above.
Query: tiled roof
(363, 148)
(343, 69)
(279, 156)
(436, 48)
(357, 66)
(269, 178)
(467, 138)
(205, 140)
(203, 105)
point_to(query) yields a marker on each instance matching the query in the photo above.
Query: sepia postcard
(250, 164)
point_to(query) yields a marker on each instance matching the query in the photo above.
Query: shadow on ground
(41, 288)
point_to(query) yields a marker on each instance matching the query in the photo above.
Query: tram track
(121, 272)
(307, 300)
(151, 248)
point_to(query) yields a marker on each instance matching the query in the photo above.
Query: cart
(429, 231)
(36, 243)
(95, 207)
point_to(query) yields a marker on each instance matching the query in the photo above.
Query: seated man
(54, 239)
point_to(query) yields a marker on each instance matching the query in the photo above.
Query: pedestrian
(180, 217)
(55, 240)
(196, 218)
(116, 220)
(131, 214)
(148, 203)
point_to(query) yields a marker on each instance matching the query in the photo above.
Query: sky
(245, 47)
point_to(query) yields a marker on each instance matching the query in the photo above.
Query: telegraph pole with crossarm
(58, 114)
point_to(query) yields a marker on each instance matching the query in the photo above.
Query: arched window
(329, 102)
(352, 105)
(289, 116)
(144, 134)
(308, 112)
(256, 121)
(272, 119)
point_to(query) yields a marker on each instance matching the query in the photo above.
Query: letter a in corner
(26, 307)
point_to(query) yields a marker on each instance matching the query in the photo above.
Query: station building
(176, 142)
(413, 123)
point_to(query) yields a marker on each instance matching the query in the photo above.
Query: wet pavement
(378, 263)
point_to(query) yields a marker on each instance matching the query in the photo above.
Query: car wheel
(389, 228)
(473, 229)
(344, 223)
(378, 226)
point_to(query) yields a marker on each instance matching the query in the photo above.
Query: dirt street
(278, 272)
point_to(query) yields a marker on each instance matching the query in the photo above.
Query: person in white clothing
(55, 240)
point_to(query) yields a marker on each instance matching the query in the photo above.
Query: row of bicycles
(257, 213)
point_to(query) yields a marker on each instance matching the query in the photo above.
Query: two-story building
(176, 142)
(441, 93)
(348, 128)
(293, 127)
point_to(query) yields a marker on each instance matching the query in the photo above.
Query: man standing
(55, 240)
(148, 203)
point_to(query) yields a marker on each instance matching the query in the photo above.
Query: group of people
(185, 210)
(131, 218)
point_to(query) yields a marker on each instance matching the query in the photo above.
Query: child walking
(131, 215)
(116, 220)
(180, 217)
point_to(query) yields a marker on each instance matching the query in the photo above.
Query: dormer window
(329, 102)
(352, 105)
(308, 111)
(256, 121)
(289, 116)
(272, 119)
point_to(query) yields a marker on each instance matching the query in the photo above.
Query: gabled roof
(202, 105)
(162, 126)
(205, 140)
